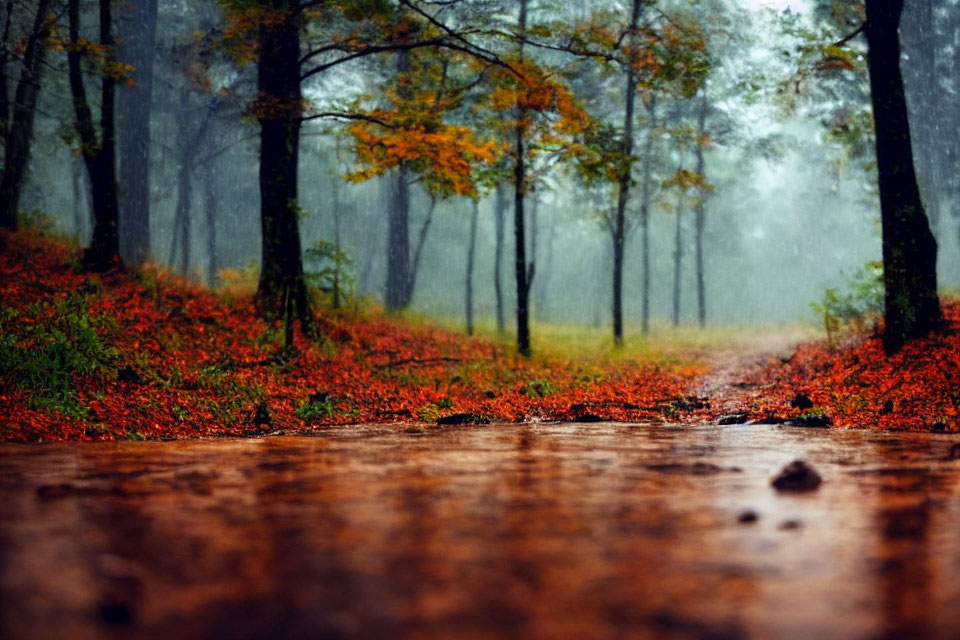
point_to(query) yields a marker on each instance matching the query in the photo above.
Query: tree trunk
(5, 51)
(138, 37)
(182, 222)
(499, 214)
(99, 154)
(471, 251)
(700, 213)
(282, 287)
(523, 271)
(623, 189)
(645, 216)
(20, 132)
(180, 238)
(398, 240)
(212, 210)
(677, 258)
(909, 248)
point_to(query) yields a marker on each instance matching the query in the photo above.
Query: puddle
(503, 531)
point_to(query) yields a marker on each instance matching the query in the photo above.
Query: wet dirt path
(529, 531)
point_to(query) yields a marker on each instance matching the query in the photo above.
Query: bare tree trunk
(677, 259)
(700, 212)
(5, 51)
(398, 241)
(523, 271)
(499, 213)
(282, 286)
(471, 251)
(99, 153)
(20, 133)
(909, 248)
(138, 46)
(645, 215)
(182, 221)
(212, 210)
(623, 189)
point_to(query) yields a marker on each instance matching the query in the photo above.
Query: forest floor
(141, 354)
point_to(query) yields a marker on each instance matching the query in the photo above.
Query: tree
(17, 118)
(912, 308)
(623, 186)
(471, 252)
(138, 28)
(499, 219)
(98, 151)
(700, 208)
(269, 33)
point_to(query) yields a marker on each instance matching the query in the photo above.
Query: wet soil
(496, 531)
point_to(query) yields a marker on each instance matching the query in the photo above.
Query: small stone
(797, 476)
(790, 525)
(90, 432)
(261, 415)
(733, 418)
(938, 427)
(802, 402)
(748, 517)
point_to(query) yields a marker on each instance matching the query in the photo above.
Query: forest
(505, 280)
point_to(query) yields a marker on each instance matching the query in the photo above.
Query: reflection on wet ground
(530, 531)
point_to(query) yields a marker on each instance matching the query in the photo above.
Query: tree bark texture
(909, 248)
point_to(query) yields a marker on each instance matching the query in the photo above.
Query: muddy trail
(498, 531)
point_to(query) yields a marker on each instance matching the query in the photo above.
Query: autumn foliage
(857, 385)
(131, 355)
(147, 355)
